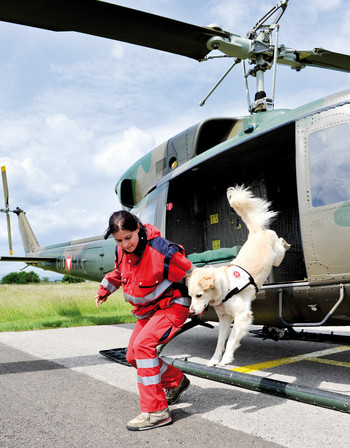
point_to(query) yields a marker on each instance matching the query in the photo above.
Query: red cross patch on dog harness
(238, 279)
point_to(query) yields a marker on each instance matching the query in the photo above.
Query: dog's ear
(280, 249)
(206, 282)
(285, 244)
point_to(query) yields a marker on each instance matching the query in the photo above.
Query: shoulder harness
(239, 279)
(163, 246)
(167, 249)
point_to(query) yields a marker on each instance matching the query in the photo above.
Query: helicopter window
(148, 213)
(330, 164)
(126, 193)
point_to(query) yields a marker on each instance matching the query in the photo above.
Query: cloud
(118, 153)
(117, 50)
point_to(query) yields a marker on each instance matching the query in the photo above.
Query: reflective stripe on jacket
(151, 280)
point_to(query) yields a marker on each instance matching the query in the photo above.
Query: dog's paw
(226, 359)
(213, 362)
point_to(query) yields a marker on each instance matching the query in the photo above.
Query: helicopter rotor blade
(6, 210)
(9, 233)
(5, 186)
(114, 22)
(319, 57)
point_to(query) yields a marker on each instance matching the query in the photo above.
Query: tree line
(23, 278)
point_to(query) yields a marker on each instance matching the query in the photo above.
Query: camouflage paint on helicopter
(197, 144)
(342, 215)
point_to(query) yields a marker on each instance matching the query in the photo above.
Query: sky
(77, 110)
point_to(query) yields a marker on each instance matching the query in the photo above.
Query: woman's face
(127, 239)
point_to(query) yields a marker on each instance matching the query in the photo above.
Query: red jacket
(149, 281)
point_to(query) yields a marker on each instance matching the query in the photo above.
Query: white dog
(216, 286)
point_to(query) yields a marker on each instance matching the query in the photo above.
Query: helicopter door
(323, 161)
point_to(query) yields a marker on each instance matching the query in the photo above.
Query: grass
(57, 305)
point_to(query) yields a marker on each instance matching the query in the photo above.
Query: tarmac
(58, 390)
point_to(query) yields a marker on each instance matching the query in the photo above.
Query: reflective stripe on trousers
(148, 364)
(153, 375)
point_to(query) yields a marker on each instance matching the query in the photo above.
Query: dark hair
(122, 220)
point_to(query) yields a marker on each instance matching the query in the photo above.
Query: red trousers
(154, 375)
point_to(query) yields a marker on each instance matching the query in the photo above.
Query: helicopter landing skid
(277, 334)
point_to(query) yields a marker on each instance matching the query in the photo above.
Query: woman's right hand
(99, 300)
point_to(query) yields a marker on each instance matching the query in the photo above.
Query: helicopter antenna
(7, 208)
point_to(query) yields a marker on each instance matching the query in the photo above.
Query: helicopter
(285, 155)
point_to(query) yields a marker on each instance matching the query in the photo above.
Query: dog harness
(238, 279)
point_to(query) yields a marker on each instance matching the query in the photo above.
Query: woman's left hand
(99, 300)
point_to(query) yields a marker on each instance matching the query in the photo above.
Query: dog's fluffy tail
(254, 211)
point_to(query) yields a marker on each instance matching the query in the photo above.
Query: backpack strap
(166, 248)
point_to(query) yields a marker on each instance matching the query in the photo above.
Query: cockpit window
(330, 165)
(147, 215)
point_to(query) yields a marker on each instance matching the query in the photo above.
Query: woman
(150, 269)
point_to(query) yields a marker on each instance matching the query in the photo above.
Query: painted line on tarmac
(331, 362)
(315, 356)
